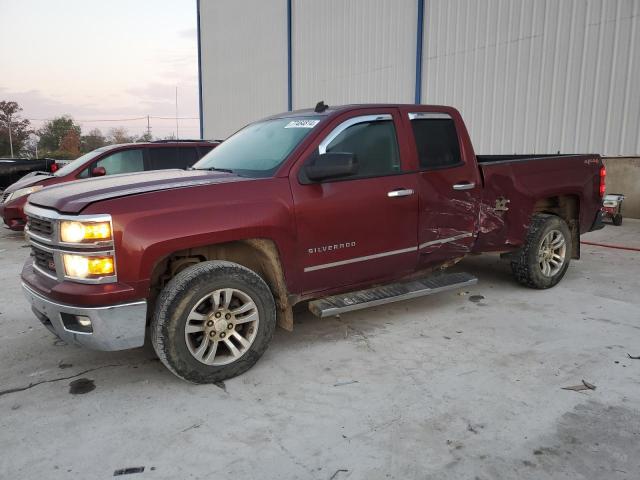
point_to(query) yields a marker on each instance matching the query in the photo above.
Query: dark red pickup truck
(371, 200)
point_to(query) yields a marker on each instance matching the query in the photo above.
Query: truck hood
(28, 180)
(73, 197)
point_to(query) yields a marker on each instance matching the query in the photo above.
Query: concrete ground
(449, 386)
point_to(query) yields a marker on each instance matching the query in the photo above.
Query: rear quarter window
(436, 142)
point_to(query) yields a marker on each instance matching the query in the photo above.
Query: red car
(109, 160)
(348, 207)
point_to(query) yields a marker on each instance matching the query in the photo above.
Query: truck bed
(517, 185)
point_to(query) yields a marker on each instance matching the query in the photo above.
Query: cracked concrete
(438, 388)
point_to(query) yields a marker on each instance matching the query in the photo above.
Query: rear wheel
(213, 321)
(617, 219)
(545, 256)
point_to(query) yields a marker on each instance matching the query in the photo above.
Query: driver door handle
(402, 192)
(464, 186)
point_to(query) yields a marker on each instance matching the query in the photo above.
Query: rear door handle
(402, 192)
(464, 186)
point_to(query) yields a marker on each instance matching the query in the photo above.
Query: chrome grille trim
(56, 248)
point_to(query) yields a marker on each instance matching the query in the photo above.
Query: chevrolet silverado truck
(108, 160)
(345, 207)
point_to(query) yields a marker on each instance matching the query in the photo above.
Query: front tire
(545, 256)
(213, 321)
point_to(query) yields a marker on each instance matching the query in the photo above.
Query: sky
(102, 60)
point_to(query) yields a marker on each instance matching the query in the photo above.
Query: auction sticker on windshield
(302, 124)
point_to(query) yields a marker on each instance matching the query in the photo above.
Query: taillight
(54, 167)
(603, 180)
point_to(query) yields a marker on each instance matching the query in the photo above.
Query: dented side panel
(514, 191)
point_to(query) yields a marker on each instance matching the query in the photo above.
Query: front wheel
(213, 321)
(545, 256)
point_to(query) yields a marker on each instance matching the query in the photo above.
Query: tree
(14, 131)
(70, 145)
(94, 139)
(145, 137)
(119, 135)
(53, 132)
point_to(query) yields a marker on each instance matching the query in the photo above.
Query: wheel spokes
(230, 319)
(193, 328)
(212, 353)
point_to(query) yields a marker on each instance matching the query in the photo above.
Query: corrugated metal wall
(243, 62)
(353, 51)
(529, 76)
(537, 75)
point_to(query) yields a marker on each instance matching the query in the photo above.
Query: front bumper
(13, 213)
(115, 327)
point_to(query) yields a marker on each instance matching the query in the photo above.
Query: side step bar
(393, 292)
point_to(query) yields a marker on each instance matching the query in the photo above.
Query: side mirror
(98, 172)
(331, 165)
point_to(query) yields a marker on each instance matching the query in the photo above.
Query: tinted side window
(125, 161)
(187, 156)
(437, 142)
(161, 158)
(204, 149)
(374, 146)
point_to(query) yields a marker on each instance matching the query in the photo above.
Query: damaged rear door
(449, 186)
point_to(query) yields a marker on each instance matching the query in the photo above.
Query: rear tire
(544, 258)
(213, 321)
(617, 219)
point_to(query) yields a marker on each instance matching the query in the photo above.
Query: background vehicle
(368, 200)
(612, 208)
(12, 169)
(109, 160)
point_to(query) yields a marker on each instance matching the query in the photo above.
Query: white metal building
(529, 76)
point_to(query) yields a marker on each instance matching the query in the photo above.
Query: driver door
(361, 228)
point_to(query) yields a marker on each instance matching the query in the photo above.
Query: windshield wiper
(217, 169)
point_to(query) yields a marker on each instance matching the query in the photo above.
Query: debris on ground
(128, 471)
(348, 382)
(583, 386)
(476, 298)
(337, 472)
(632, 357)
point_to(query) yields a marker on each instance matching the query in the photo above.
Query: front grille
(44, 228)
(43, 259)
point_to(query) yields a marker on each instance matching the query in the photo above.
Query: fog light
(76, 323)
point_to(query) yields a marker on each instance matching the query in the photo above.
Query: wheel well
(258, 255)
(566, 207)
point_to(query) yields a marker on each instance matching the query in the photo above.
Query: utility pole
(9, 128)
(148, 127)
(177, 132)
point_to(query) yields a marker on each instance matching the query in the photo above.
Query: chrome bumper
(116, 327)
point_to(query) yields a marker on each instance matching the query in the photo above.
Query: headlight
(21, 192)
(84, 266)
(79, 232)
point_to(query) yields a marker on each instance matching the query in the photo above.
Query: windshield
(258, 149)
(78, 162)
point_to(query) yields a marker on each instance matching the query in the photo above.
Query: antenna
(177, 131)
(320, 107)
